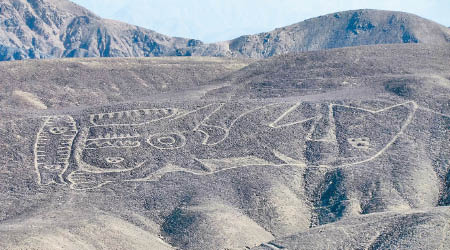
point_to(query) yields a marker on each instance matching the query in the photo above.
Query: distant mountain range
(59, 28)
(343, 29)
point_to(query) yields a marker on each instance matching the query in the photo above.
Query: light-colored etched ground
(234, 162)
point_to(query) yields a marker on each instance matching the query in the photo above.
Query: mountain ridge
(33, 29)
(45, 29)
(340, 29)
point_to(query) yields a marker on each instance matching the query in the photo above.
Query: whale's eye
(167, 141)
(114, 160)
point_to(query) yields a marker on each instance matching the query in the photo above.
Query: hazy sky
(218, 20)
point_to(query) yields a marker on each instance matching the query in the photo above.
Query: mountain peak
(60, 28)
(340, 29)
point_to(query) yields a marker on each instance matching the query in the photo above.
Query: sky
(219, 20)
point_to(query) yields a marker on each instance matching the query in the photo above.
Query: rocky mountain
(60, 28)
(343, 148)
(343, 29)
(337, 149)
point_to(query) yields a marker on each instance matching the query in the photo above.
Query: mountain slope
(339, 149)
(343, 29)
(392, 231)
(64, 83)
(60, 28)
(409, 71)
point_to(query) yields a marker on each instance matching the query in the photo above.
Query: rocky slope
(60, 28)
(338, 149)
(343, 29)
(67, 83)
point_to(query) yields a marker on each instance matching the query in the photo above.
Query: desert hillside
(346, 148)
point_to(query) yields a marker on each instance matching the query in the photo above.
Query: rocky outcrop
(343, 29)
(53, 29)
